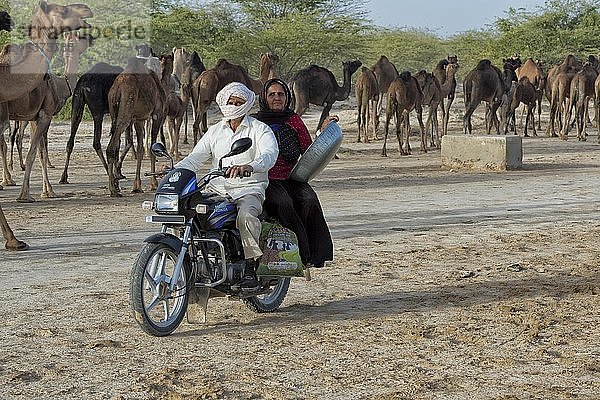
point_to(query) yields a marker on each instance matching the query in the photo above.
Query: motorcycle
(198, 253)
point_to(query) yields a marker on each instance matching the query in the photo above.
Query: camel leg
(153, 133)
(324, 114)
(5, 124)
(128, 146)
(388, 116)
(13, 139)
(400, 126)
(47, 191)
(12, 243)
(139, 132)
(177, 129)
(467, 126)
(447, 115)
(36, 140)
(422, 128)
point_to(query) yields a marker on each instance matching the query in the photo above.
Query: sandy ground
(445, 285)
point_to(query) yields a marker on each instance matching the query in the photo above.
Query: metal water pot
(318, 154)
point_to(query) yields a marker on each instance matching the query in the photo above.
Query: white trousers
(249, 208)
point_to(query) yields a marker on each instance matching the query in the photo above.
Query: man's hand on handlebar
(242, 171)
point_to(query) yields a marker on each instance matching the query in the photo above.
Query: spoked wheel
(157, 308)
(269, 302)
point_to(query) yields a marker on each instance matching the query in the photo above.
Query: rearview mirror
(159, 150)
(238, 147)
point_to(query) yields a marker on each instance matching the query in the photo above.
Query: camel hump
(223, 63)
(483, 64)
(135, 65)
(405, 76)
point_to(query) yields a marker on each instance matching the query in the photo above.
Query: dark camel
(210, 82)
(403, 96)
(597, 104)
(385, 72)
(317, 85)
(175, 109)
(448, 89)
(190, 74)
(6, 21)
(523, 92)
(32, 65)
(367, 97)
(581, 90)
(483, 83)
(91, 90)
(135, 96)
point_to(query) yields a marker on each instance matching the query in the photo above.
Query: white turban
(236, 89)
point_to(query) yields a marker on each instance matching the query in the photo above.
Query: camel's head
(351, 66)
(6, 21)
(166, 62)
(51, 20)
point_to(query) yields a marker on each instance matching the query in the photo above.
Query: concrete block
(489, 152)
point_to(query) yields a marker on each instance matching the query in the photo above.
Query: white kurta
(217, 141)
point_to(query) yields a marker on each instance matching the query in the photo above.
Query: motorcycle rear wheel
(269, 302)
(157, 309)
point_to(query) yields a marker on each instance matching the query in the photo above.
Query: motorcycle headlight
(168, 203)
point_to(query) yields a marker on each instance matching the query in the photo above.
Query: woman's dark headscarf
(268, 116)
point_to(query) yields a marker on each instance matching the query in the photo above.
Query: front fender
(173, 241)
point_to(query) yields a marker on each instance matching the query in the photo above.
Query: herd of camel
(152, 90)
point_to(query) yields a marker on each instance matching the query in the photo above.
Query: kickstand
(197, 304)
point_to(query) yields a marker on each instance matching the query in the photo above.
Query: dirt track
(446, 285)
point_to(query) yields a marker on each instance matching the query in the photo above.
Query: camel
(193, 71)
(210, 82)
(404, 95)
(19, 78)
(433, 96)
(181, 61)
(581, 90)
(448, 90)
(483, 83)
(76, 43)
(39, 106)
(597, 104)
(317, 85)
(91, 90)
(6, 21)
(135, 96)
(524, 92)
(534, 73)
(32, 59)
(385, 72)
(367, 97)
(175, 108)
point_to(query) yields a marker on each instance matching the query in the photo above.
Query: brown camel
(367, 97)
(181, 60)
(403, 96)
(135, 96)
(581, 90)
(523, 92)
(31, 61)
(433, 96)
(448, 85)
(532, 70)
(39, 106)
(317, 85)
(31, 65)
(175, 108)
(76, 43)
(385, 72)
(560, 92)
(210, 82)
(483, 83)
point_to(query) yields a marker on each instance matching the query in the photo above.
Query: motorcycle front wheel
(157, 308)
(271, 301)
